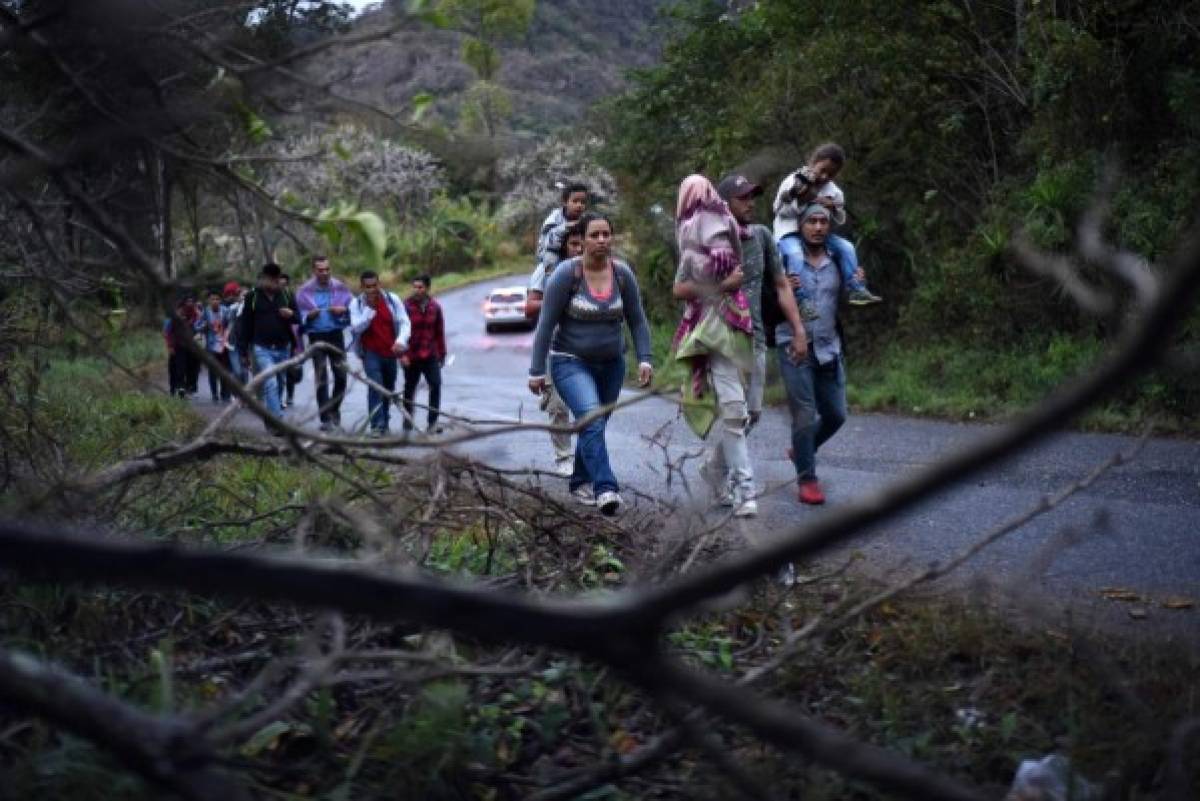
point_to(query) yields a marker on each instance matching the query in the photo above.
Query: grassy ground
(950, 381)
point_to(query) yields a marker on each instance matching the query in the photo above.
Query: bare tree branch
(162, 749)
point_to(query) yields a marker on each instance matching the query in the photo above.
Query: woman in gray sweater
(580, 339)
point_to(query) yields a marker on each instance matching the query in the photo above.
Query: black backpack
(772, 314)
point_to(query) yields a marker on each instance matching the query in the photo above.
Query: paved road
(1139, 525)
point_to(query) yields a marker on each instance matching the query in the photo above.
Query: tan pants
(728, 453)
(559, 415)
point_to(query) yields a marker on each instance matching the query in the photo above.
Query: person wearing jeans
(265, 332)
(426, 352)
(381, 329)
(264, 358)
(816, 383)
(817, 401)
(324, 304)
(586, 387)
(588, 301)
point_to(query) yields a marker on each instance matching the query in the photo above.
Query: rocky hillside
(574, 54)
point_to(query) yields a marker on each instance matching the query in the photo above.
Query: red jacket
(428, 337)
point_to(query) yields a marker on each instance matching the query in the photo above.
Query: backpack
(533, 306)
(577, 278)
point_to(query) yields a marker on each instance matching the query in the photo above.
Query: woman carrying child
(580, 340)
(715, 337)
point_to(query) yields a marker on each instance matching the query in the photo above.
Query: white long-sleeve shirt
(787, 209)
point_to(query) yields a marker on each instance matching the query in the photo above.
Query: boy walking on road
(426, 352)
(381, 328)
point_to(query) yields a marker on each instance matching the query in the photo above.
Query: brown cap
(735, 185)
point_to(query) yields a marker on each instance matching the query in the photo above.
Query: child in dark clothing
(183, 368)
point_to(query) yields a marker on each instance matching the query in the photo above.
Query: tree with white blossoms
(531, 179)
(348, 164)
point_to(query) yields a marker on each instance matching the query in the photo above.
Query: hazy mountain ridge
(574, 54)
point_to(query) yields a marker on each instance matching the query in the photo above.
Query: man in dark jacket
(265, 336)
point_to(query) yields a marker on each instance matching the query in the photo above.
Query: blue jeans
(585, 387)
(264, 359)
(791, 251)
(235, 366)
(382, 370)
(817, 400)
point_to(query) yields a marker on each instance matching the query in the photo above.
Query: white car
(505, 306)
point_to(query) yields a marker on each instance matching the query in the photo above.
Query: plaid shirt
(428, 337)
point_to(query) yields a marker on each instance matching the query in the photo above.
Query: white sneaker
(584, 495)
(609, 503)
(747, 508)
(564, 467)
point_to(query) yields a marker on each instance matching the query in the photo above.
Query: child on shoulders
(813, 183)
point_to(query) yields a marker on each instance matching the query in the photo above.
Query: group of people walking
(251, 331)
(745, 288)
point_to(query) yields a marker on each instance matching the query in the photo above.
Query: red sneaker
(810, 492)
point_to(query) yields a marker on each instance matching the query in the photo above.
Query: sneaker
(786, 577)
(863, 297)
(747, 508)
(434, 429)
(808, 310)
(609, 503)
(377, 433)
(811, 493)
(726, 497)
(584, 495)
(326, 426)
(564, 467)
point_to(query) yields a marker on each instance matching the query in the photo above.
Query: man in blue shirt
(816, 384)
(324, 304)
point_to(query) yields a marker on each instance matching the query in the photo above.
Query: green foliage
(365, 229)
(486, 23)
(964, 125)
(486, 106)
(454, 235)
(488, 20)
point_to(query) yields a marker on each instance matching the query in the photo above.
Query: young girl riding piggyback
(813, 183)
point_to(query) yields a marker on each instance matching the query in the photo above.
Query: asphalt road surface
(1137, 528)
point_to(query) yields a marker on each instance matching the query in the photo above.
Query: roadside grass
(953, 381)
(445, 282)
(948, 380)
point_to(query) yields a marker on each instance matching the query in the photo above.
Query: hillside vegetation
(965, 125)
(573, 54)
